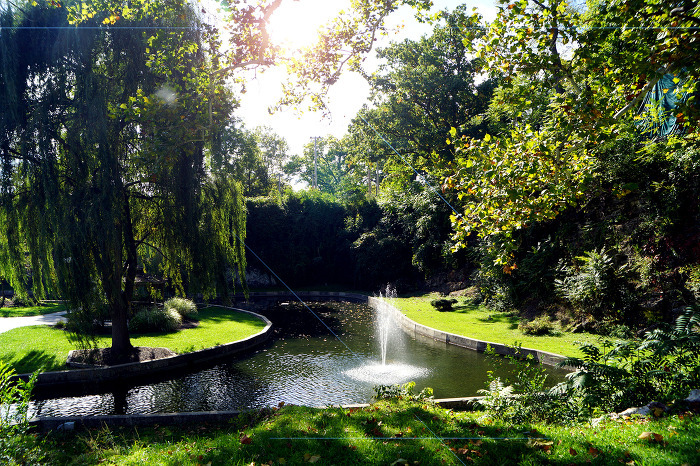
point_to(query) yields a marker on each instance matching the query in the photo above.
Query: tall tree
(424, 88)
(326, 160)
(103, 158)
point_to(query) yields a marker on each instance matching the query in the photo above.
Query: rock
(629, 412)
(66, 427)
(694, 396)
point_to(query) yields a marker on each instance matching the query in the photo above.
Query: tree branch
(643, 92)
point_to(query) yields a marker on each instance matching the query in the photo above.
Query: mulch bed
(103, 356)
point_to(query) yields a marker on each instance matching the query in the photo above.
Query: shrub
(539, 326)
(664, 366)
(185, 307)
(155, 320)
(16, 446)
(586, 284)
(443, 304)
(402, 392)
(524, 397)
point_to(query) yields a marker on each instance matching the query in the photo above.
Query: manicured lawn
(388, 433)
(41, 309)
(483, 324)
(29, 349)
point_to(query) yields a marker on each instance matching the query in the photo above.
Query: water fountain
(387, 333)
(303, 364)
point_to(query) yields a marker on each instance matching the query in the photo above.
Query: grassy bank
(41, 309)
(389, 433)
(28, 349)
(483, 324)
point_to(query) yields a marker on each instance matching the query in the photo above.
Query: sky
(294, 23)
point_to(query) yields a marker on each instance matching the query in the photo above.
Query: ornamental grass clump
(539, 326)
(183, 306)
(155, 320)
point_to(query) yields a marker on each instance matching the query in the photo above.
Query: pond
(328, 357)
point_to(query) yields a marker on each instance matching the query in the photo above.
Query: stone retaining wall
(100, 376)
(413, 329)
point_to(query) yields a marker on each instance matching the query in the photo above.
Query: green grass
(41, 309)
(388, 433)
(28, 349)
(482, 324)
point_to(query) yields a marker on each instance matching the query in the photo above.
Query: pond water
(304, 364)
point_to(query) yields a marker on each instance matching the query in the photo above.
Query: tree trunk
(121, 343)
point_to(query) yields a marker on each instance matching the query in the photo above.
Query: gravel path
(8, 323)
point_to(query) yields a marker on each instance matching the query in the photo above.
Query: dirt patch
(103, 356)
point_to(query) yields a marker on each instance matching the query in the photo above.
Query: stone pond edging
(46, 424)
(96, 376)
(414, 328)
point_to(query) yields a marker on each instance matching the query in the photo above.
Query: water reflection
(304, 364)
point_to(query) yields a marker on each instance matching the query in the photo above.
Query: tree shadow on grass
(36, 360)
(465, 308)
(497, 317)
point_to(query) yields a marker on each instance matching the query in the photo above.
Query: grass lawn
(388, 433)
(41, 309)
(483, 324)
(28, 349)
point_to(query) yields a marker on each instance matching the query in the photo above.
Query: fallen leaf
(651, 436)
(314, 459)
(245, 440)
(573, 452)
(593, 452)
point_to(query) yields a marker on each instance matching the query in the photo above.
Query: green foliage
(327, 160)
(443, 304)
(693, 281)
(183, 306)
(155, 320)
(16, 446)
(303, 239)
(524, 398)
(588, 283)
(663, 366)
(510, 183)
(541, 325)
(402, 392)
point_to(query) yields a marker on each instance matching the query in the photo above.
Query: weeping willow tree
(103, 141)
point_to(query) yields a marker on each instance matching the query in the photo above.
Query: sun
(295, 24)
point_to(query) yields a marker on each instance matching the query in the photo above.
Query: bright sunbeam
(295, 24)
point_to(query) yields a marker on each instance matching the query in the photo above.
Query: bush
(539, 326)
(155, 320)
(185, 307)
(663, 366)
(524, 398)
(402, 392)
(443, 304)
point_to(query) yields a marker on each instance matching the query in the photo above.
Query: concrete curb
(98, 376)
(46, 424)
(413, 329)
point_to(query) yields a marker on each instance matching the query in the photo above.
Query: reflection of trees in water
(220, 388)
(293, 319)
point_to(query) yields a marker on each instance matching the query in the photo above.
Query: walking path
(8, 323)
